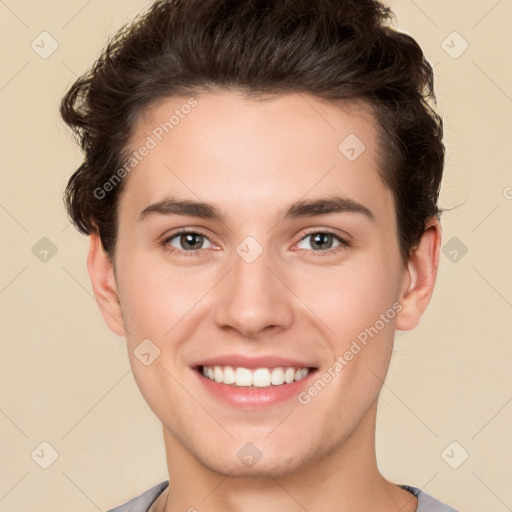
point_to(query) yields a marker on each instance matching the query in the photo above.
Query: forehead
(246, 154)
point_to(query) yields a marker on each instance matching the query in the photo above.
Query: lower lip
(254, 398)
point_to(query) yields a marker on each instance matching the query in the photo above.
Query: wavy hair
(337, 50)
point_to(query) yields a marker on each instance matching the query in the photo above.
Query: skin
(252, 159)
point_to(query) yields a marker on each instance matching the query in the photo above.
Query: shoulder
(427, 503)
(142, 502)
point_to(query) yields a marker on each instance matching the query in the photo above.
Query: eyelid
(345, 239)
(185, 231)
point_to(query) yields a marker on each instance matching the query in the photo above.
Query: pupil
(189, 240)
(321, 238)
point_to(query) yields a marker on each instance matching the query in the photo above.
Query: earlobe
(420, 278)
(101, 272)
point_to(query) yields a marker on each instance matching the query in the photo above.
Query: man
(260, 189)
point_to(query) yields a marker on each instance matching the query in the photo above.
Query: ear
(420, 277)
(101, 272)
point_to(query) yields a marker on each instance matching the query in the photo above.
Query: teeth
(277, 377)
(243, 377)
(260, 378)
(229, 375)
(218, 374)
(289, 375)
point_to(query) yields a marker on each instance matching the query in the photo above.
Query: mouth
(253, 385)
(257, 378)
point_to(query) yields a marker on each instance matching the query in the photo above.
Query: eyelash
(343, 242)
(172, 250)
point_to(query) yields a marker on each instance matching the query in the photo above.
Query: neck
(347, 479)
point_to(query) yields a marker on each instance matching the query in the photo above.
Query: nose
(253, 299)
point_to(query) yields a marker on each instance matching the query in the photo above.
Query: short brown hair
(334, 49)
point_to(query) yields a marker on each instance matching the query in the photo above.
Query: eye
(186, 241)
(323, 241)
(189, 243)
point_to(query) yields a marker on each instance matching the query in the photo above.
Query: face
(256, 246)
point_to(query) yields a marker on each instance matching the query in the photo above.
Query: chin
(242, 459)
(261, 469)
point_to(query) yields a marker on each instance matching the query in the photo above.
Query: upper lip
(240, 361)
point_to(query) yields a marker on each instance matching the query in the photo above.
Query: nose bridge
(253, 298)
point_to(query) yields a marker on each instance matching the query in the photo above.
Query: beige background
(65, 379)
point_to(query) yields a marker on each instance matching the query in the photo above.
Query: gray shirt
(426, 503)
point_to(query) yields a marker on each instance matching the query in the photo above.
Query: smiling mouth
(256, 378)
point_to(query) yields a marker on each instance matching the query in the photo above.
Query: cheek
(155, 298)
(351, 298)
(359, 310)
(358, 305)
(156, 301)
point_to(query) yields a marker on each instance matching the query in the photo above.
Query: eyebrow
(299, 209)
